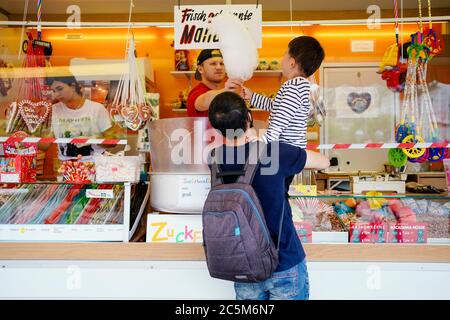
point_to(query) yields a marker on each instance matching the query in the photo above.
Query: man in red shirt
(211, 72)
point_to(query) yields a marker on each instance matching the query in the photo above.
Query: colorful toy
(392, 67)
(434, 42)
(397, 158)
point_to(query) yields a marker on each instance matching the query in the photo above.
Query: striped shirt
(288, 112)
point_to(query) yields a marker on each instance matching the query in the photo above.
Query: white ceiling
(143, 6)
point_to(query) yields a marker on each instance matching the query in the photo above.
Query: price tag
(367, 232)
(9, 177)
(100, 193)
(304, 231)
(413, 232)
(193, 189)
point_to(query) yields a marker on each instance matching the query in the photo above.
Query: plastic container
(179, 193)
(180, 180)
(117, 168)
(180, 177)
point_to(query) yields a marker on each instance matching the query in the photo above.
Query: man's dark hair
(228, 111)
(307, 52)
(69, 80)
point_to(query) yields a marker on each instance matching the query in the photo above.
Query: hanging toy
(392, 67)
(431, 132)
(434, 42)
(421, 158)
(408, 131)
(413, 152)
(397, 158)
(391, 55)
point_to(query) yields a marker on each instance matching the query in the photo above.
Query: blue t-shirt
(270, 186)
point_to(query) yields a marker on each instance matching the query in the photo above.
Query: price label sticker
(100, 193)
(10, 177)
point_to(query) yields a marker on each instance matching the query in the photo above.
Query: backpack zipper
(254, 209)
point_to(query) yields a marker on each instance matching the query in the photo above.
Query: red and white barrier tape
(63, 140)
(378, 145)
(309, 146)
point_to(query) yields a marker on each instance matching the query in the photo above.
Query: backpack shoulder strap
(216, 179)
(256, 149)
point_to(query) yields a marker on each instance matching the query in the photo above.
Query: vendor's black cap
(203, 56)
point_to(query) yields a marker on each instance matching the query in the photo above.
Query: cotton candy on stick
(238, 48)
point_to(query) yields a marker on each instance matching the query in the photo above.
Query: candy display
(62, 204)
(18, 161)
(76, 171)
(318, 213)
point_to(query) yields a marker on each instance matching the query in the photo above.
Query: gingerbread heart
(359, 102)
(145, 111)
(114, 112)
(134, 125)
(34, 113)
(130, 112)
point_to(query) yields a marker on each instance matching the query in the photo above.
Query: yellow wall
(155, 43)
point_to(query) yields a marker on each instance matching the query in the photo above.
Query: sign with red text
(368, 232)
(413, 232)
(191, 24)
(304, 231)
(174, 228)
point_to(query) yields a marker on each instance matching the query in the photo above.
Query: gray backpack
(236, 240)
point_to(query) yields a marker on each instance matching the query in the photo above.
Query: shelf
(194, 252)
(268, 73)
(185, 110)
(256, 73)
(182, 73)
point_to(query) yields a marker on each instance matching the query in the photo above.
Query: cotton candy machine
(180, 177)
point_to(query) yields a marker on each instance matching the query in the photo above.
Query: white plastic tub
(179, 192)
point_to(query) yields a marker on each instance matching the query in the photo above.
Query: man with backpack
(249, 235)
